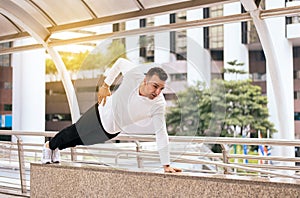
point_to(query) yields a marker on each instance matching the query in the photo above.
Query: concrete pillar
(284, 76)
(132, 42)
(29, 91)
(198, 58)
(162, 40)
(233, 47)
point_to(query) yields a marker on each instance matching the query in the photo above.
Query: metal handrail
(194, 139)
(190, 139)
(214, 140)
(142, 155)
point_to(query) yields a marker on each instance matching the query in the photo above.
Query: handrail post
(138, 158)
(73, 154)
(225, 158)
(21, 165)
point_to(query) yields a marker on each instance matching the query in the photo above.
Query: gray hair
(157, 71)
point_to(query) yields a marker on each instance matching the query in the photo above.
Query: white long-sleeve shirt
(130, 113)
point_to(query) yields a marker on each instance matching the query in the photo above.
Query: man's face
(153, 86)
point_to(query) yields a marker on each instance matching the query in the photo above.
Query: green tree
(50, 67)
(73, 61)
(182, 119)
(226, 109)
(96, 59)
(116, 50)
(93, 61)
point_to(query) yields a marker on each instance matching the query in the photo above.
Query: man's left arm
(162, 140)
(169, 169)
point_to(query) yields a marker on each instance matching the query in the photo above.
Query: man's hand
(103, 93)
(169, 169)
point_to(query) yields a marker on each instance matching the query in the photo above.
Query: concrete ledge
(77, 180)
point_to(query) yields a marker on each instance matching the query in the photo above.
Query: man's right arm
(120, 66)
(103, 92)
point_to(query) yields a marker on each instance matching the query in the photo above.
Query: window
(173, 41)
(297, 95)
(178, 38)
(116, 27)
(147, 41)
(259, 76)
(297, 116)
(5, 60)
(7, 85)
(257, 55)
(213, 36)
(296, 52)
(170, 96)
(216, 37)
(58, 117)
(7, 107)
(217, 55)
(216, 11)
(181, 16)
(142, 23)
(178, 77)
(244, 32)
(296, 74)
(173, 18)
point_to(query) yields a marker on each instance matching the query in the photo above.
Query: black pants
(87, 130)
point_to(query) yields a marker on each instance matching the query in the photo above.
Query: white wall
(198, 58)
(233, 47)
(29, 91)
(162, 40)
(132, 42)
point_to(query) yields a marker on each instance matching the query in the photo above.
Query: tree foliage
(226, 109)
(72, 61)
(182, 119)
(97, 59)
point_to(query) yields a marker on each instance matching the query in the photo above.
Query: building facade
(5, 89)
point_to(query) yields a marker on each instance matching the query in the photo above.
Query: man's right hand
(103, 92)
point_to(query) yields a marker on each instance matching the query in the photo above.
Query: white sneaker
(46, 156)
(56, 156)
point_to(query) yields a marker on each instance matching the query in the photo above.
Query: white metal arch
(272, 58)
(41, 35)
(279, 77)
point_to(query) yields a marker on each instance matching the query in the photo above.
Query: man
(137, 106)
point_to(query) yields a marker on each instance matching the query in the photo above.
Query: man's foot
(46, 156)
(56, 156)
